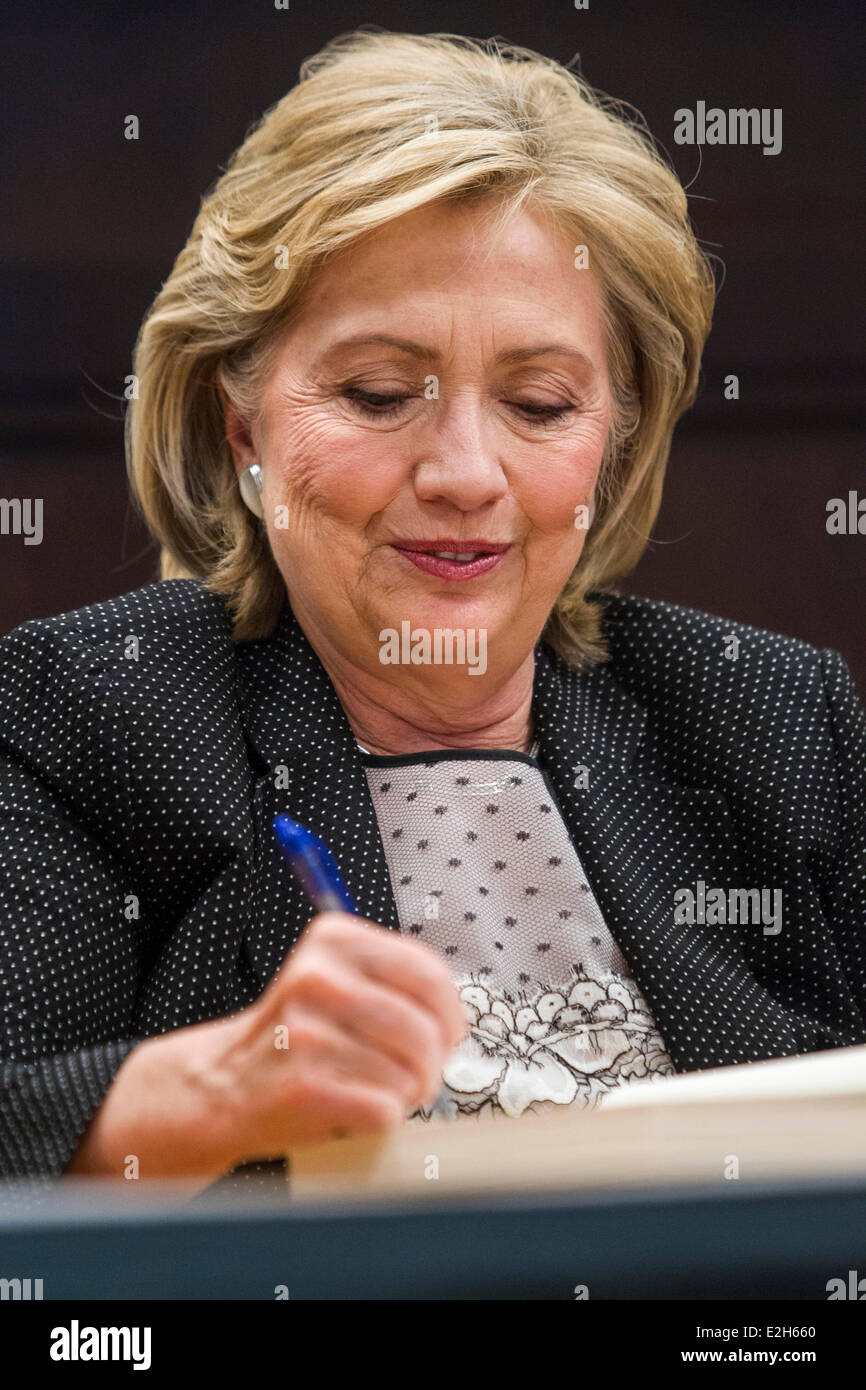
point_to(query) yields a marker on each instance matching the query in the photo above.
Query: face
(441, 389)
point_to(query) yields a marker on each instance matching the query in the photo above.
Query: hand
(369, 1018)
(351, 1035)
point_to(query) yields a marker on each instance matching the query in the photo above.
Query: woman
(403, 411)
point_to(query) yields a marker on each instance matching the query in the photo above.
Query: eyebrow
(509, 357)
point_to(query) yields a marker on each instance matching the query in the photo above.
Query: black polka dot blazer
(144, 757)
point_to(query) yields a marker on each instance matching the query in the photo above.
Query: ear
(238, 435)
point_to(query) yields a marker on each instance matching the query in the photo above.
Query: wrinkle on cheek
(341, 483)
(564, 477)
(304, 455)
(320, 481)
(343, 492)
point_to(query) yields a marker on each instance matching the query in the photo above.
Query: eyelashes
(384, 407)
(369, 403)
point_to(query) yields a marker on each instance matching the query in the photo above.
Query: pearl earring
(251, 482)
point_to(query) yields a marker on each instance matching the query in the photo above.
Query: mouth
(448, 558)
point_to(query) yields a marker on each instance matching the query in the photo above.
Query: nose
(460, 463)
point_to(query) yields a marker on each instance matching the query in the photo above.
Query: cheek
(559, 478)
(327, 467)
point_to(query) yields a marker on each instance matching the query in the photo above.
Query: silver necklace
(533, 752)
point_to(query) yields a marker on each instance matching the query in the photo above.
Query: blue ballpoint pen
(315, 868)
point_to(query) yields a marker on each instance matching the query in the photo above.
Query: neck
(385, 731)
(389, 720)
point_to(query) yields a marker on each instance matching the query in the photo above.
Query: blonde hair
(378, 124)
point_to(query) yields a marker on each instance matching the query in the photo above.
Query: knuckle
(304, 1035)
(430, 1038)
(314, 984)
(302, 979)
(382, 1110)
(329, 926)
(441, 986)
(300, 1092)
(405, 1085)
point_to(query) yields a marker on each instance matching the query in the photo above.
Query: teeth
(456, 555)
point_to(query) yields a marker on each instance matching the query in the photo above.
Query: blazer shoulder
(709, 682)
(51, 667)
(171, 609)
(653, 639)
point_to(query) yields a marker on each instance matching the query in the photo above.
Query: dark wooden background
(93, 223)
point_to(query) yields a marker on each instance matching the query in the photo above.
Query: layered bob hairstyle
(378, 124)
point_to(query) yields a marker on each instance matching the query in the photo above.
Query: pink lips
(419, 553)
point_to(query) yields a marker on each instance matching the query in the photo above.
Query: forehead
(448, 263)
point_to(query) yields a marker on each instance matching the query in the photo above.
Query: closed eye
(382, 407)
(542, 412)
(369, 403)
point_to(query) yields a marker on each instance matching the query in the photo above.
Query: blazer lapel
(307, 766)
(640, 838)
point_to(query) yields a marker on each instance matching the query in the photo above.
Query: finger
(335, 1051)
(379, 1016)
(409, 966)
(341, 1109)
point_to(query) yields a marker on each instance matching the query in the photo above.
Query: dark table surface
(780, 1241)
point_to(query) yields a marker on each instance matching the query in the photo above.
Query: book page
(841, 1071)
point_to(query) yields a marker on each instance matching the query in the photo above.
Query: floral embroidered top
(484, 871)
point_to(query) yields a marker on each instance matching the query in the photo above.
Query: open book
(789, 1118)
